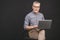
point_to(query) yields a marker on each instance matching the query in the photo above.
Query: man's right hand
(35, 26)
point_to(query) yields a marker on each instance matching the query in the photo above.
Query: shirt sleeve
(26, 21)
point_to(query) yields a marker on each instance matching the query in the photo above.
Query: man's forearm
(29, 27)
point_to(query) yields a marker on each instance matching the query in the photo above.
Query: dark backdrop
(13, 13)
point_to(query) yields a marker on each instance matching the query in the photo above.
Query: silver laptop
(45, 24)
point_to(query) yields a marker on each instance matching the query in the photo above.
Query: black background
(13, 13)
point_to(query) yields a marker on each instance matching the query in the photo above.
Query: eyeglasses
(36, 6)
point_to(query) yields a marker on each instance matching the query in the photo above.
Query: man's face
(36, 7)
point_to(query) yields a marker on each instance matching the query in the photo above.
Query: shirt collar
(35, 14)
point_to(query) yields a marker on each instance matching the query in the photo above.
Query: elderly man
(33, 18)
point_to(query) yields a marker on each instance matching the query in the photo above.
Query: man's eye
(36, 6)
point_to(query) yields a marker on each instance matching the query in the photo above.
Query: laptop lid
(45, 24)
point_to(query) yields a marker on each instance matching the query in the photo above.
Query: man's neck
(36, 13)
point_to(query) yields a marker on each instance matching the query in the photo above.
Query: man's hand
(31, 27)
(35, 26)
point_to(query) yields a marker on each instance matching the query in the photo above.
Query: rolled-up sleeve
(26, 21)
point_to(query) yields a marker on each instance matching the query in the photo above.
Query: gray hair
(36, 2)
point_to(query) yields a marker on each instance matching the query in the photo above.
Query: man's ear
(32, 7)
